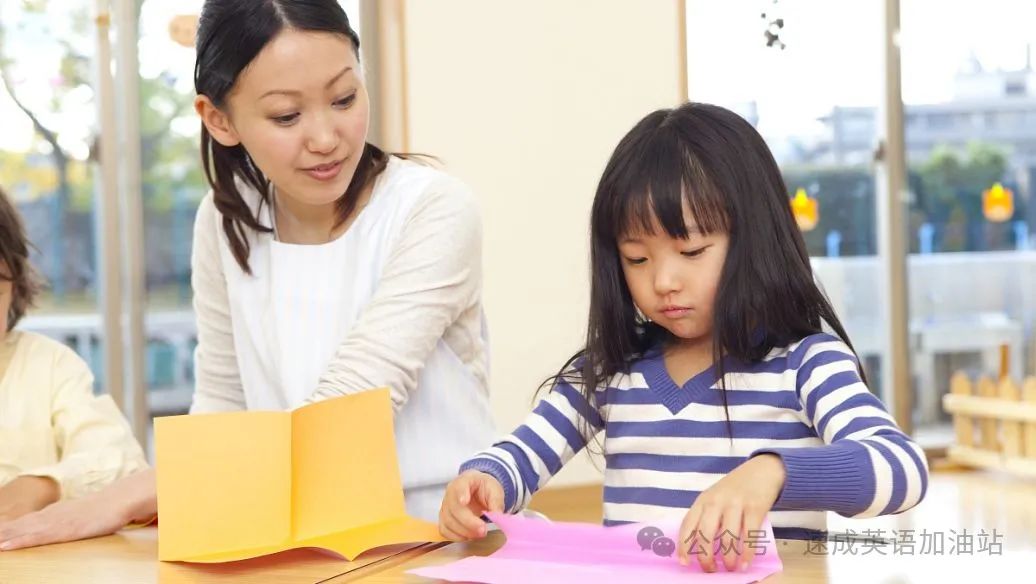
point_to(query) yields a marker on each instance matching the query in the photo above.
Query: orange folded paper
(244, 484)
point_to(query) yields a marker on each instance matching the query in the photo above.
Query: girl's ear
(216, 121)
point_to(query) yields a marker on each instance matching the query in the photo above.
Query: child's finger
(455, 524)
(17, 544)
(447, 527)
(731, 543)
(467, 522)
(492, 496)
(708, 527)
(753, 521)
(688, 533)
(461, 488)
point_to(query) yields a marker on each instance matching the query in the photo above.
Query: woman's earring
(640, 316)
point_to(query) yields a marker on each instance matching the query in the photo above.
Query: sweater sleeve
(217, 385)
(559, 427)
(432, 276)
(94, 441)
(867, 466)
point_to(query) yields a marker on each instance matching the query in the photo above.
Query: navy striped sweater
(664, 444)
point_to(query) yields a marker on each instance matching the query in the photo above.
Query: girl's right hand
(467, 498)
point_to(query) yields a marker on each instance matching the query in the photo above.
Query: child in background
(707, 365)
(57, 440)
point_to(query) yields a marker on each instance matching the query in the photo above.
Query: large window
(48, 160)
(50, 164)
(172, 185)
(811, 93)
(972, 99)
(810, 75)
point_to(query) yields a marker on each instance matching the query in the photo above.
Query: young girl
(57, 440)
(322, 265)
(706, 362)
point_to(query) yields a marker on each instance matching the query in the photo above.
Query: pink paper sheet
(563, 553)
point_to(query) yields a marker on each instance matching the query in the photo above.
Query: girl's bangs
(661, 181)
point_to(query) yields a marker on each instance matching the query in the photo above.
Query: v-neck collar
(673, 396)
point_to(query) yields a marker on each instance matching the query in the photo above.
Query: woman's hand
(736, 505)
(26, 494)
(467, 497)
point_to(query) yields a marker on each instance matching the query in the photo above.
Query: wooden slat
(1029, 429)
(987, 407)
(993, 461)
(1010, 430)
(963, 425)
(987, 426)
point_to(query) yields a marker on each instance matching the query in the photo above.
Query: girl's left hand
(731, 508)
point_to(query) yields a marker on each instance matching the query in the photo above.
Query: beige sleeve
(217, 385)
(95, 444)
(432, 276)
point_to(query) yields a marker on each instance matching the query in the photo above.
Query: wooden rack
(994, 423)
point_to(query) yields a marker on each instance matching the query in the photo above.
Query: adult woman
(322, 266)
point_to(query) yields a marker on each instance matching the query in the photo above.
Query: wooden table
(132, 557)
(955, 501)
(804, 563)
(799, 567)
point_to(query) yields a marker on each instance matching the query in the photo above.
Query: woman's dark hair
(14, 262)
(714, 162)
(230, 35)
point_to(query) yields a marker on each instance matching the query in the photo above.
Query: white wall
(525, 101)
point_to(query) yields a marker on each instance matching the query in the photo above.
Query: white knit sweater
(394, 302)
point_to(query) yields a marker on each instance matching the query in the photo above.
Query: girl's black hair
(714, 162)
